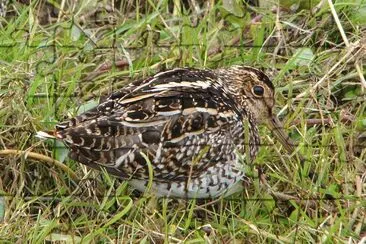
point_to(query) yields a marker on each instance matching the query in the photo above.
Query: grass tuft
(58, 59)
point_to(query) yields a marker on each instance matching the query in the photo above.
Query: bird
(179, 133)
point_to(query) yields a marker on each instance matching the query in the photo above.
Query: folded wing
(179, 120)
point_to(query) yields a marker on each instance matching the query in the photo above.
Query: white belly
(215, 181)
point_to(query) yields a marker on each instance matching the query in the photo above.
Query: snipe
(186, 126)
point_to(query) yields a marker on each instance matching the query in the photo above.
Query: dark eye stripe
(258, 90)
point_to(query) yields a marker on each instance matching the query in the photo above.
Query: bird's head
(254, 93)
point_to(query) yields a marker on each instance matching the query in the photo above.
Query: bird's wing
(177, 120)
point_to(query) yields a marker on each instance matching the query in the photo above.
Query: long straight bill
(277, 128)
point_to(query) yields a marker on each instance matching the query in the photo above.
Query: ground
(58, 59)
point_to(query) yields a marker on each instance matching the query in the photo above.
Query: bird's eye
(258, 91)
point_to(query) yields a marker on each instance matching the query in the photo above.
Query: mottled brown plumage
(186, 125)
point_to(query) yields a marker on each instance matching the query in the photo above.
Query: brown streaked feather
(170, 117)
(188, 125)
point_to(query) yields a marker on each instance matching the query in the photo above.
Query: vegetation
(57, 58)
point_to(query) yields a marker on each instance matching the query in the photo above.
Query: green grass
(45, 71)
